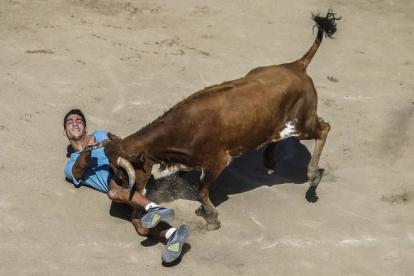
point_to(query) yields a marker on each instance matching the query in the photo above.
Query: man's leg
(121, 195)
(158, 231)
(155, 213)
(175, 238)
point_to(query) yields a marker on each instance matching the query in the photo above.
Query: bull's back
(238, 115)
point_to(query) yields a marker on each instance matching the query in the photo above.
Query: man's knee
(143, 231)
(113, 194)
(140, 230)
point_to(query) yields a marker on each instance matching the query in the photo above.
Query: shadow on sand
(245, 173)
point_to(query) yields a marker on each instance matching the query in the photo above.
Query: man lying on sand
(92, 168)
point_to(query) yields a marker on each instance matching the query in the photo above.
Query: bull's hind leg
(208, 176)
(269, 157)
(321, 133)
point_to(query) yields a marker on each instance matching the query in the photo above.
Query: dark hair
(74, 111)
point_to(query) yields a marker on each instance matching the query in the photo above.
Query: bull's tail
(326, 25)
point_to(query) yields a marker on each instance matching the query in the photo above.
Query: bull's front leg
(142, 178)
(207, 209)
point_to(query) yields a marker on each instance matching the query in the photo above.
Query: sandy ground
(124, 63)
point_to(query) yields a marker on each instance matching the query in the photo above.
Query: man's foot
(155, 215)
(174, 246)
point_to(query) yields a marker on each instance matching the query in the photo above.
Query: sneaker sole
(151, 219)
(173, 249)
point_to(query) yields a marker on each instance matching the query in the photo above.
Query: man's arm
(81, 164)
(82, 161)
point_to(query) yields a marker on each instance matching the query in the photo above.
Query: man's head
(74, 125)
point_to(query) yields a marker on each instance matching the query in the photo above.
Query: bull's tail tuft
(326, 25)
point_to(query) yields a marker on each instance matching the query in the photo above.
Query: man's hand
(82, 162)
(89, 140)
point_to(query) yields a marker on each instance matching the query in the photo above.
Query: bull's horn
(129, 169)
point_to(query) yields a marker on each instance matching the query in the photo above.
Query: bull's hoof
(212, 222)
(314, 183)
(201, 212)
(212, 226)
(315, 176)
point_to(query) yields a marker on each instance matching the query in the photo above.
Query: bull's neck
(145, 140)
(158, 142)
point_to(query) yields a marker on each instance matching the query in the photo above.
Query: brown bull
(209, 128)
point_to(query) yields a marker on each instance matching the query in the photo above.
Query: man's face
(75, 128)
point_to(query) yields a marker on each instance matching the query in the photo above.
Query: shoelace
(153, 209)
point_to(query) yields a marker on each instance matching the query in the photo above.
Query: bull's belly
(235, 147)
(287, 131)
(165, 171)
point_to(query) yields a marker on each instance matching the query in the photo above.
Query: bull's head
(118, 157)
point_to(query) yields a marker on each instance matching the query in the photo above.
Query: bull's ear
(113, 137)
(140, 157)
(138, 161)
